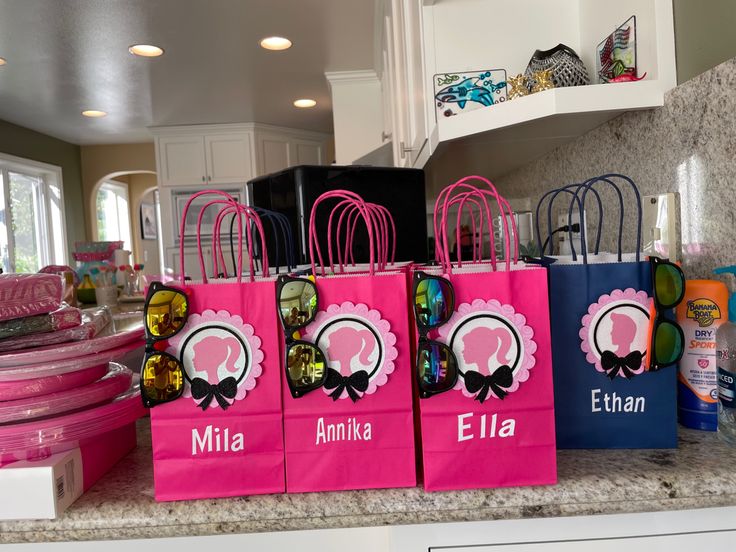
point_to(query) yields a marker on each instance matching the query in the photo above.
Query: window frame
(51, 176)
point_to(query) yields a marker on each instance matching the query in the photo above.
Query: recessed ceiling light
(3, 61)
(145, 50)
(94, 113)
(305, 102)
(275, 43)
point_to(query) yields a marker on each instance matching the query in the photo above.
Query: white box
(41, 489)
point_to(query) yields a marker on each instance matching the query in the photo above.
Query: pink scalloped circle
(361, 315)
(516, 320)
(627, 296)
(236, 324)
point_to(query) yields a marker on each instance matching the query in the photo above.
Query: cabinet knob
(203, 179)
(209, 178)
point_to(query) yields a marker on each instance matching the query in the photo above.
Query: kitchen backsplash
(688, 146)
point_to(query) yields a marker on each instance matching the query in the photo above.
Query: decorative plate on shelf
(616, 55)
(462, 92)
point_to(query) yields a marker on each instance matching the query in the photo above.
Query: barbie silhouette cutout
(493, 346)
(359, 347)
(615, 331)
(221, 358)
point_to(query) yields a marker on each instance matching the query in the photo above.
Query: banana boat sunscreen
(703, 310)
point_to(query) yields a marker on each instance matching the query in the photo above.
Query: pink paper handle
(252, 220)
(385, 227)
(440, 220)
(182, 227)
(315, 252)
(442, 206)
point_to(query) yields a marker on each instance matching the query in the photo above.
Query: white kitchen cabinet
(277, 151)
(231, 153)
(422, 38)
(181, 160)
(371, 108)
(229, 157)
(191, 260)
(406, 47)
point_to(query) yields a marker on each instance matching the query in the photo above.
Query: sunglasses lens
(668, 346)
(668, 285)
(166, 312)
(433, 302)
(437, 367)
(306, 365)
(161, 378)
(297, 303)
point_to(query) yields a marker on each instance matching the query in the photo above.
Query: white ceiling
(65, 56)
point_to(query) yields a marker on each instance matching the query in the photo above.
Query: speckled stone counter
(121, 505)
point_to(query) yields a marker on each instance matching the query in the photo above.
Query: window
(32, 228)
(113, 215)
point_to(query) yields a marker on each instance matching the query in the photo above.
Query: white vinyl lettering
(489, 428)
(219, 438)
(614, 403)
(461, 427)
(349, 430)
(201, 442)
(595, 400)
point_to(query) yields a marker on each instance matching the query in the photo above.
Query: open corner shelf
(581, 101)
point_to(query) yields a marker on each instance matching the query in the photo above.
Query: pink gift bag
(224, 435)
(495, 426)
(356, 432)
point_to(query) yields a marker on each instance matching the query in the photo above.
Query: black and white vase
(567, 68)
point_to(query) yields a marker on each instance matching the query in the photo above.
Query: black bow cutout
(357, 381)
(613, 363)
(503, 377)
(221, 391)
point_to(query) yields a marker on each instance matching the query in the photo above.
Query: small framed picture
(149, 227)
(180, 199)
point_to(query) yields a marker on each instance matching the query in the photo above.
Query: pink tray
(16, 390)
(122, 330)
(59, 368)
(116, 381)
(59, 433)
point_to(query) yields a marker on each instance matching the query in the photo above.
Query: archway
(141, 190)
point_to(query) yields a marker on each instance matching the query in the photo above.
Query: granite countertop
(121, 505)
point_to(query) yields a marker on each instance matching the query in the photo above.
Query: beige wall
(100, 162)
(144, 251)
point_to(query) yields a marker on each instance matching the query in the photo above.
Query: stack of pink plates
(52, 398)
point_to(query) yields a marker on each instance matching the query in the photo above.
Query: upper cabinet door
(307, 153)
(405, 63)
(416, 102)
(273, 154)
(181, 160)
(229, 158)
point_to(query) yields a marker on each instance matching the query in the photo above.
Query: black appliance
(293, 192)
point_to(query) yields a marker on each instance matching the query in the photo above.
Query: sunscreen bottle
(702, 311)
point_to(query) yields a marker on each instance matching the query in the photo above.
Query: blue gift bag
(600, 322)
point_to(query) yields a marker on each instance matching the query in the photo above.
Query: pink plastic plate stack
(58, 397)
